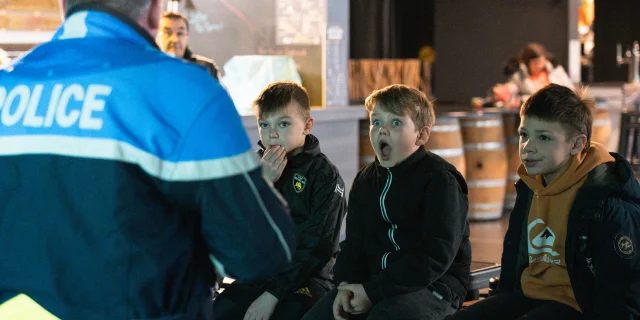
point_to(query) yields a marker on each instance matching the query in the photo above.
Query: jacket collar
(407, 163)
(188, 54)
(92, 20)
(591, 198)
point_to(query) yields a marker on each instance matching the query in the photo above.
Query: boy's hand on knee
(342, 305)
(273, 162)
(360, 302)
(262, 308)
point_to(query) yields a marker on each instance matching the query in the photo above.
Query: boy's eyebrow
(279, 118)
(537, 131)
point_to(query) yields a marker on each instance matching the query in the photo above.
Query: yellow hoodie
(546, 277)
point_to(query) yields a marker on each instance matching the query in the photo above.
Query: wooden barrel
(367, 154)
(511, 124)
(486, 162)
(446, 141)
(601, 129)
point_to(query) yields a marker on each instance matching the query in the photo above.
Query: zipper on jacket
(385, 216)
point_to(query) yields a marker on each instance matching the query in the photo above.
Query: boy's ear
(579, 144)
(308, 126)
(423, 136)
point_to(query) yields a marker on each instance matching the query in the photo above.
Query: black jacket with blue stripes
(407, 230)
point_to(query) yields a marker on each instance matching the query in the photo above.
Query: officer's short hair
(130, 8)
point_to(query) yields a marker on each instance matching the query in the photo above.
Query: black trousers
(234, 301)
(419, 305)
(513, 306)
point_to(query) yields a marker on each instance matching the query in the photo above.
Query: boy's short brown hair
(556, 103)
(400, 99)
(278, 95)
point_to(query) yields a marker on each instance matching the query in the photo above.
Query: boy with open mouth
(407, 253)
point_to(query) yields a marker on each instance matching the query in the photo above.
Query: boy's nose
(273, 133)
(383, 131)
(528, 147)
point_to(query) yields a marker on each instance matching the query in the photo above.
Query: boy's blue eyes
(281, 125)
(378, 122)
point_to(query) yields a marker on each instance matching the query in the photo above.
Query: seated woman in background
(537, 69)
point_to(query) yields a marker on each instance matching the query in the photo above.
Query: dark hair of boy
(278, 95)
(556, 103)
(400, 99)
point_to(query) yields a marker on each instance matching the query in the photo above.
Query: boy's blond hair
(400, 100)
(556, 103)
(278, 95)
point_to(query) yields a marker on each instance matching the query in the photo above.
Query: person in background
(173, 39)
(537, 68)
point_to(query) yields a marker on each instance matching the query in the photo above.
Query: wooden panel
(486, 239)
(30, 21)
(34, 15)
(31, 5)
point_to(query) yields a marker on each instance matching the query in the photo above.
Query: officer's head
(145, 12)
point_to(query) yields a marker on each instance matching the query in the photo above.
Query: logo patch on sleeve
(624, 246)
(339, 190)
(299, 181)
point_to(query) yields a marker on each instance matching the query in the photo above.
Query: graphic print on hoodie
(546, 277)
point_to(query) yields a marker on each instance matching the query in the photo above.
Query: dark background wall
(390, 29)
(615, 21)
(473, 39)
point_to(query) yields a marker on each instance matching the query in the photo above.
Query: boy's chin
(388, 163)
(535, 171)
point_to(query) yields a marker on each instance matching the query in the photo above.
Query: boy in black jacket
(407, 253)
(571, 248)
(312, 186)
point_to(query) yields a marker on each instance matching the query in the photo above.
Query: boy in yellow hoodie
(571, 248)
